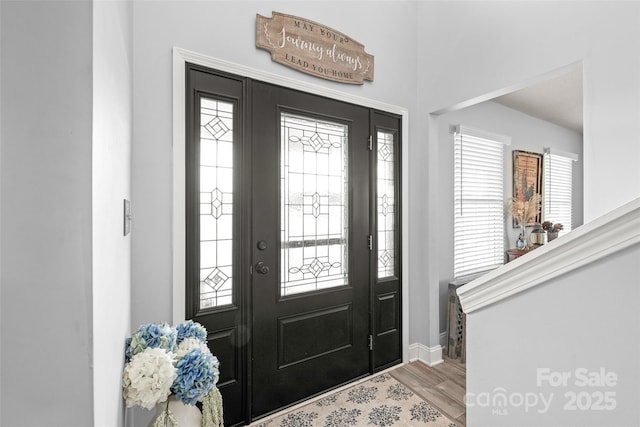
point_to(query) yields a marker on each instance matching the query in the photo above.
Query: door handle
(262, 268)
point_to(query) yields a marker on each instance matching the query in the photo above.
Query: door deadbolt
(262, 245)
(262, 268)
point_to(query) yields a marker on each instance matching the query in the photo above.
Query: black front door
(292, 242)
(310, 252)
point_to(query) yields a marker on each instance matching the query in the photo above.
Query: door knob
(262, 268)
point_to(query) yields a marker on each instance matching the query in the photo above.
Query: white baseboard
(431, 356)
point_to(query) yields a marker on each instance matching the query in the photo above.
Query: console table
(515, 253)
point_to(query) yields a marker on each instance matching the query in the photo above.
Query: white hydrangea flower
(189, 344)
(148, 377)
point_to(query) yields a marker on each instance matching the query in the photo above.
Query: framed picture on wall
(527, 177)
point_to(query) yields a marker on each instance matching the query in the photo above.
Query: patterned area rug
(380, 401)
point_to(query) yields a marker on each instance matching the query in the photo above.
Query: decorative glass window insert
(558, 188)
(479, 202)
(386, 205)
(216, 203)
(314, 205)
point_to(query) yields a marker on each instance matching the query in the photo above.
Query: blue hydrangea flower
(216, 370)
(127, 350)
(197, 375)
(152, 335)
(191, 329)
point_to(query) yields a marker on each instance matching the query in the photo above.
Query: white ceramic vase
(185, 415)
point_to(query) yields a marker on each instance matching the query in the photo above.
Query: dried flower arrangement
(524, 211)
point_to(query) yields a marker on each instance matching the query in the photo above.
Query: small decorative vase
(551, 235)
(183, 415)
(521, 243)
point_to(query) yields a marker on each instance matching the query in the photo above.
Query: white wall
(587, 319)
(46, 214)
(527, 133)
(112, 133)
(470, 49)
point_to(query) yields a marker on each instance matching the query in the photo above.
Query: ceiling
(557, 100)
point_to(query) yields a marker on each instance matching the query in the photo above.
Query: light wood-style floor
(442, 385)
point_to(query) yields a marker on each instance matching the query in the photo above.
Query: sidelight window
(386, 205)
(216, 207)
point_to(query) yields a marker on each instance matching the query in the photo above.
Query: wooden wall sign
(313, 48)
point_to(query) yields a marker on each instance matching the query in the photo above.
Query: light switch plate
(127, 217)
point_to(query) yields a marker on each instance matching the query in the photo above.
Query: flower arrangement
(148, 378)
(525, 211)
(161, 360)
(551, 227)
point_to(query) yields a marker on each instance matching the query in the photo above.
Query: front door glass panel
(216, 196)
(314, 204)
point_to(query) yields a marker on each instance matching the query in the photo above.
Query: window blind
(479, 200)
(558, 188)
